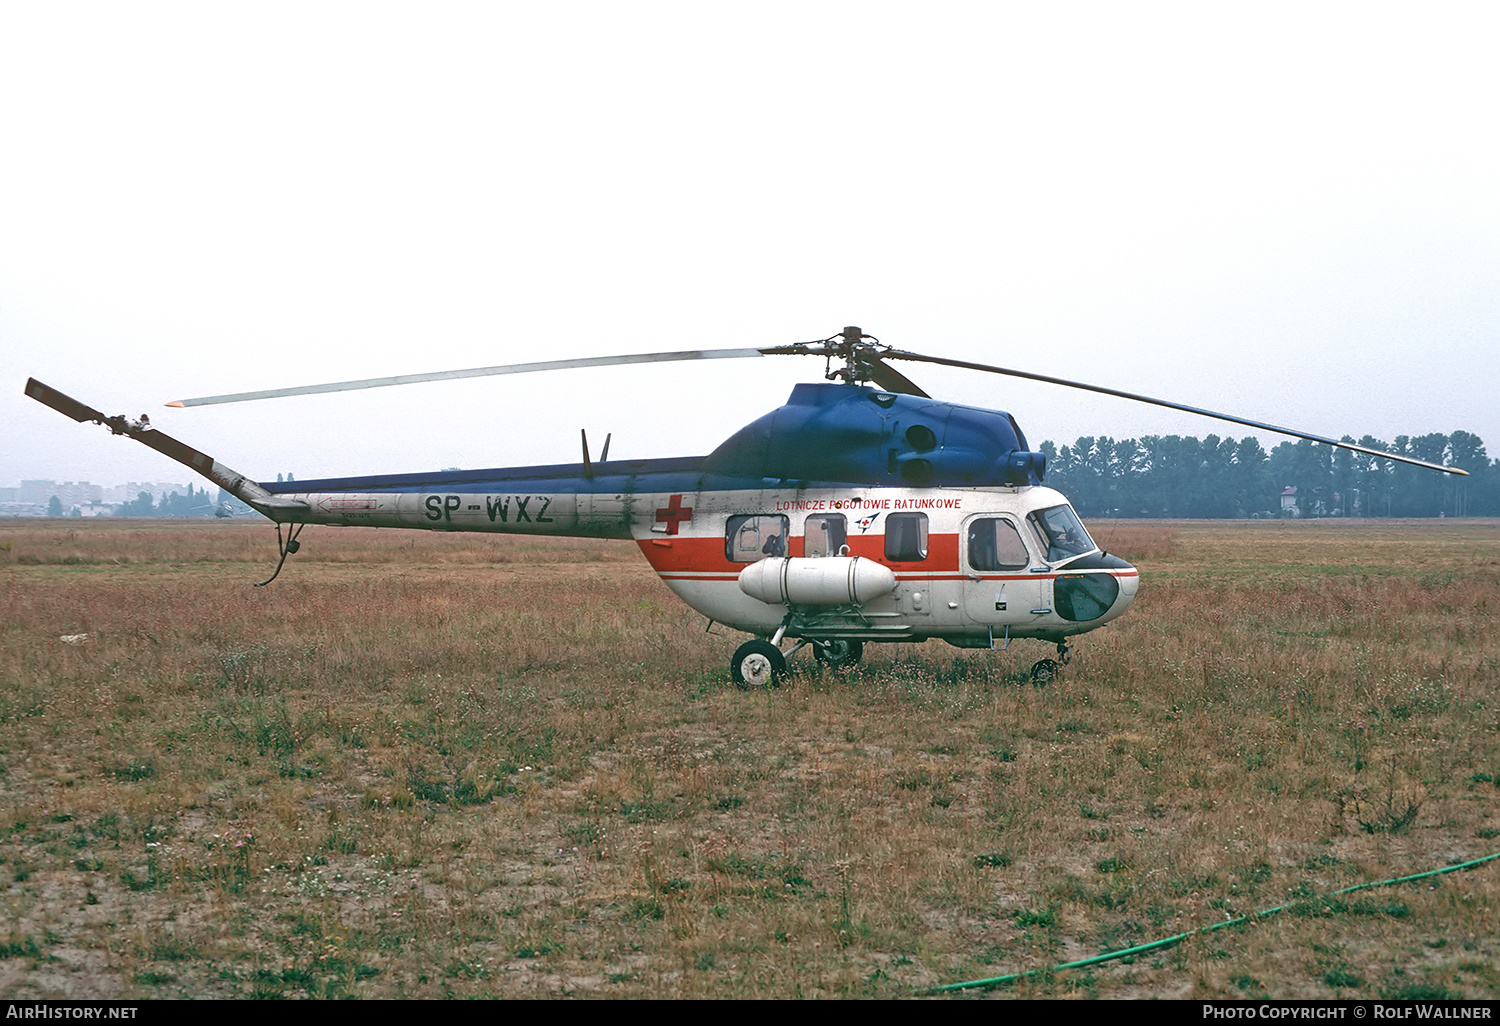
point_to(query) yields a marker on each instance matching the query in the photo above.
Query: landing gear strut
(1048, 670)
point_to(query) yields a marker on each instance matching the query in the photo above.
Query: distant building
(80, 494)
(82, 498)
(69, 493)
(36, 491)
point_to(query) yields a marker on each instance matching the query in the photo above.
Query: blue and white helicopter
(862, 510)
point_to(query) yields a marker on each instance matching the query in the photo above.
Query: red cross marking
(674, 514)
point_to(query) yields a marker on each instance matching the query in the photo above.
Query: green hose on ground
(1166, 942)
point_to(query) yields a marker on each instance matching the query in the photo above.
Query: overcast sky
(1286, 211)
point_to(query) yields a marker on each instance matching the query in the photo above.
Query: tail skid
(276, 507)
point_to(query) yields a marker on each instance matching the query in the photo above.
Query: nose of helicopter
(1096, 588)
(1130, 581)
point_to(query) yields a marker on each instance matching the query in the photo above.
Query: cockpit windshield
(1061, 532)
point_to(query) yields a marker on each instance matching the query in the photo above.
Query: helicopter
(860, 511)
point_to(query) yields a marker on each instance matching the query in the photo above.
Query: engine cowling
(826, 581)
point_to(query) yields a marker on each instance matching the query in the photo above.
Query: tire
(1045, 672)
(838, 655)
(757, 664)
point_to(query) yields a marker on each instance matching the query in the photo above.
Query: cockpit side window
(751, 538)
(824, 535)
(995, 545)
(1062, 532)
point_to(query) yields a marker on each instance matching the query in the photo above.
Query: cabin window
(824, 535)
(1062, 532)
(995, 544)
(749, 538)
(906, 537)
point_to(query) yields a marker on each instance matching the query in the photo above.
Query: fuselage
(973, 566)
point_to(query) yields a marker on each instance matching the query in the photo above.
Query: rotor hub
(857, 350)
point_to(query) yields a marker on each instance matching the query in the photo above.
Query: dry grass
(431, 766)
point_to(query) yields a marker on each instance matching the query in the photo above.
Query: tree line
(1176, 476)
(193, 504)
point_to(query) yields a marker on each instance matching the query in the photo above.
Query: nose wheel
(1047, 670)
(757, 664)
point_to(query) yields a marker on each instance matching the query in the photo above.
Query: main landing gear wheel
(757, 664)
(836, 655)
(1045, 672)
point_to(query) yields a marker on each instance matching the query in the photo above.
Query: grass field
(431, 766)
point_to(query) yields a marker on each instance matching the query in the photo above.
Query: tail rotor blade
(64, 404)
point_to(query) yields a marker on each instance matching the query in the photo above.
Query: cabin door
(999, 587)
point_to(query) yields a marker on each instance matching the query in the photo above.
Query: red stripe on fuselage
(694, 556)
(706, 555)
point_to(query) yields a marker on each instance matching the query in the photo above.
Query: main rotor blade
(892, 380)
(472, 372)
(897, 354)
